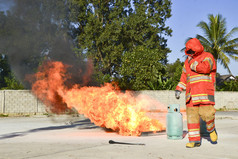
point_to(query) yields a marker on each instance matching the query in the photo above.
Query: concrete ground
(65, 137)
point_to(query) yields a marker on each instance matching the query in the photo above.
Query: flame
(105, 106)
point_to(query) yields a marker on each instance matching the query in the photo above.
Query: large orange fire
(105, 106)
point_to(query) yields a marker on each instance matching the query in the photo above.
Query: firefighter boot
(193, 144)
(213, 136)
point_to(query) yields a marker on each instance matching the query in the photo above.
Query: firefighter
(198, 79)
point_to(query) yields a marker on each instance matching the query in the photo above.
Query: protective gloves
(177, 94)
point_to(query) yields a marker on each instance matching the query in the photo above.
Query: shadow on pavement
(82, 124)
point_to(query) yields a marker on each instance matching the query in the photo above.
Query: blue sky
(186, 14)
(4, 4)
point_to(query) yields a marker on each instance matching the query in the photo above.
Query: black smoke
(34, 31)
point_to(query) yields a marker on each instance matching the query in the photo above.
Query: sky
(186, 14)
(5, 4)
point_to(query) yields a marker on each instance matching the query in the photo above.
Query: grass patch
(227, 109)
(3, 115)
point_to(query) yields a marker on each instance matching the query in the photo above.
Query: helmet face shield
(190, 52)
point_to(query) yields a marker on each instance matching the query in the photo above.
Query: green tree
(4, 70)
(217, 41)
(229, 86)
(109, 32)
(7, 78)
(169, 80)
(174, 72)
(12, 82)
(140, 68)
(161, 84)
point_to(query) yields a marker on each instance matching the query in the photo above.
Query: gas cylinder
(174, 122)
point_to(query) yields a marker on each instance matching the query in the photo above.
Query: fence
(20, 102)
(224, 100)
(24, 102)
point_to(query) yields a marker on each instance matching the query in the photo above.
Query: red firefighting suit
(198, 79)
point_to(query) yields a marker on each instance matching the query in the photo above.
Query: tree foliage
(174, 72)
(217, 41)
(109, 32)
(4, 70)
(229, 86)
(161, 84)
(140, 67)
(7, 78)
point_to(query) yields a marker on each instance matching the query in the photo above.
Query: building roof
(223, 78)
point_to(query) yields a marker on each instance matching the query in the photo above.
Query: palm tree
(217, 41)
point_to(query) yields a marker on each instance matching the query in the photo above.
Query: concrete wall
(24, 102)
(20, 102)
(224, 100)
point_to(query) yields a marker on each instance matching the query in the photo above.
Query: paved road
(76, 138)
